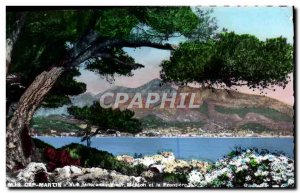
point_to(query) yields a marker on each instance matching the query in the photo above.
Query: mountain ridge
(157, 86)
(220, 110)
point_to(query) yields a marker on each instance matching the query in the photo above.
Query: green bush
(91, 157)
(39, 149)
(40, 144)
(175, 178)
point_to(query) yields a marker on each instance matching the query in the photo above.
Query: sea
(188, 148)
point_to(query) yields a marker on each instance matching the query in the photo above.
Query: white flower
(291, 181)
(245, 160)
(269, 157)
(279, 169)
(195, 178)
(284, 185)
(245, 167)
(263, 185)
(276, 178)
(248, 178)
(229, 184)
(264, 173)
(259, 172)
(229, 175)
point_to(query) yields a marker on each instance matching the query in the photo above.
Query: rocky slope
(240, 169)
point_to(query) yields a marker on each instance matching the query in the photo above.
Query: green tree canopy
(49, 35)
(109, 118)
(231, 60)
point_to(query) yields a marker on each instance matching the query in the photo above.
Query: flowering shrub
(92, 157)
(246, 169)
(58, 158)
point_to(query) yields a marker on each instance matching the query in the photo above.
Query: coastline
(167, 137)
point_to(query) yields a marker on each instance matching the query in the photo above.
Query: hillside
(220, 111)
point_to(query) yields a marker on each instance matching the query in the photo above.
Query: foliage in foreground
(247, 169)
(80, 155)
(91, 157)
(77, 154)
(239, 169)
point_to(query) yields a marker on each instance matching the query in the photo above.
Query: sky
(263, 22)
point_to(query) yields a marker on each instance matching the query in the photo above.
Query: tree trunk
(18, 140)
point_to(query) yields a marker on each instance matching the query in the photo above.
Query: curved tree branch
(99, 46)
(11, 41)
(111, 57)
(136, 44)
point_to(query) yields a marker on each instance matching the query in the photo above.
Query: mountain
(154, 86)
(219, 108)
(84, 99)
